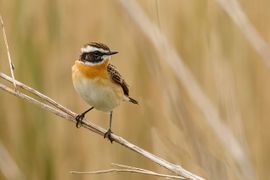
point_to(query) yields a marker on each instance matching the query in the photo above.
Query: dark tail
(133, 100)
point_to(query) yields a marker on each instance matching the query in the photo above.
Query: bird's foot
(108, 135)
(79, 119)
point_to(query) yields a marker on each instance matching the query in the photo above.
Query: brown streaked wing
(116, 77)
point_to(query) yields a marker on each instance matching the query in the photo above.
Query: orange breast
(99, 70)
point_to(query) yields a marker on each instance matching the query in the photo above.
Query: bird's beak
(112, 53)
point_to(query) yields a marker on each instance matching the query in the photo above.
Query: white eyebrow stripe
(89, 49)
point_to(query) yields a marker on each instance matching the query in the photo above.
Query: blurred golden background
(45, 38)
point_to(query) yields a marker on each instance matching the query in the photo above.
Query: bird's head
(95, 53)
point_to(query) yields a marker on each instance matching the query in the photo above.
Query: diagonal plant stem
(69, 115)
(11, 65)
(38, 94)
(45, 106)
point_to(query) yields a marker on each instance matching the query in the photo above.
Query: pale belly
(99, 93)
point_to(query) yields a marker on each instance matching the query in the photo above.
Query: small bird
(98, 82)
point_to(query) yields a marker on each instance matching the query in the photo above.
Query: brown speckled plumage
(117, 78)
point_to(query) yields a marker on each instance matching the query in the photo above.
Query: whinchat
(98, 82)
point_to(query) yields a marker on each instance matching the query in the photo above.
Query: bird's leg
(80, 117)
(109, 131)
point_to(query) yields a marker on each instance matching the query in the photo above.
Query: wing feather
(117, 78)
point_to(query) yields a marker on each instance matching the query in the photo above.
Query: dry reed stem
(38, 94)
(69, 115)
(169, 54)
(129, 169)
(45, 106)
(234, 10)
(8, 166)
(11, 65)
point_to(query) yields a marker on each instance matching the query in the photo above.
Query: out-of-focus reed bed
(45, 38)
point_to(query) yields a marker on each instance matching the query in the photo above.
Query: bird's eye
(96, 53)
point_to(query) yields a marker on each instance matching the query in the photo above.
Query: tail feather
(133, 100)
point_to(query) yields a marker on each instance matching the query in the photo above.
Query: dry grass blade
(11, 65)
(8, 166)
(195, 92)
(113, 170)
(157, 13)
(128, 169)
(234, 10)
(71, 116)
(147, 171)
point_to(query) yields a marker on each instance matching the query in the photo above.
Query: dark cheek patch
(89, 57)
